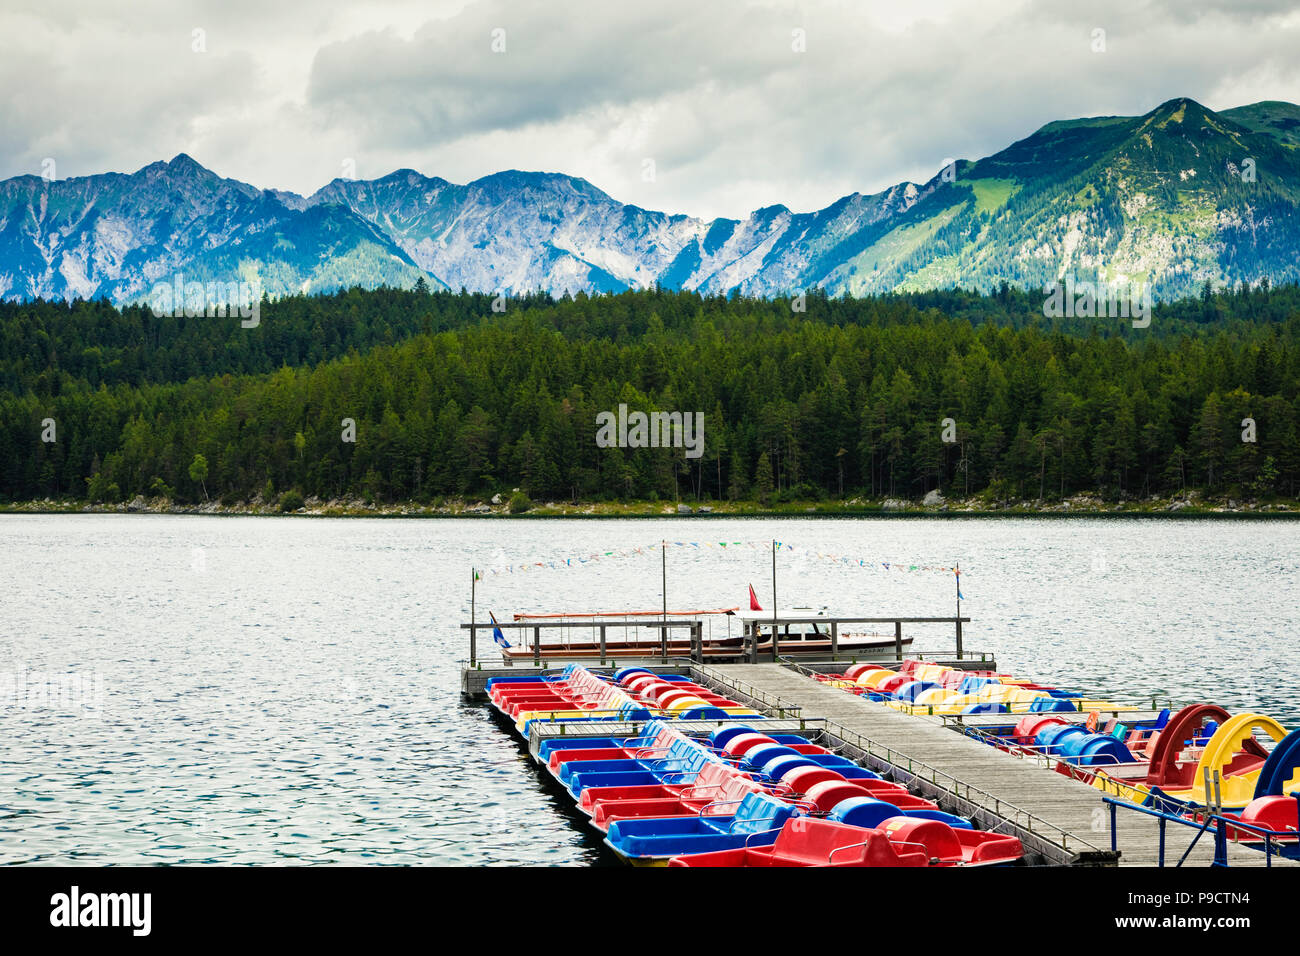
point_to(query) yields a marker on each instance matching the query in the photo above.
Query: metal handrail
(745, 845)
(958, 788)
(847, 846)
(1050, 761)
(1119, 705)
(690, 792)
(780, 704)
(717, 803)
(663, 626)
(1219, 821)
(1020, 751)
(1025, 751)
(962, 789)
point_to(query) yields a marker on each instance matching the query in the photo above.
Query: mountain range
(1174, 198)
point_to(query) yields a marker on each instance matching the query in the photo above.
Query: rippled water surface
(283, 690)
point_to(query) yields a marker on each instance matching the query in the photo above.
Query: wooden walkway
(1070, 805)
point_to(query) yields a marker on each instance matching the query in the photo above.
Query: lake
(252, 690)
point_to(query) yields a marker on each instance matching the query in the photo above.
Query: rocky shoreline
(1191, 504)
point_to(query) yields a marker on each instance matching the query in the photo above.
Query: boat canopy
(593, 614)
(787, 613)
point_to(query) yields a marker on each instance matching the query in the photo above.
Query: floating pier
(1063, 819)
(945, 759)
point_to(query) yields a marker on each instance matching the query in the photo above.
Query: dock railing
(775, 624)
(1215, 821)
(1042, 756)
(1007, 812)
(694, 628)
(761, 698)
(1093, 773)
(901, 763)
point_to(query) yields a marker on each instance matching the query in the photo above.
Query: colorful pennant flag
(781, 546)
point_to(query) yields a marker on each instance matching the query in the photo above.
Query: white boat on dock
(723, 634)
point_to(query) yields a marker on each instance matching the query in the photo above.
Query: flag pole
(774, 646)
(663, 556)
(473, 587)
(663, 631)
(956, 570)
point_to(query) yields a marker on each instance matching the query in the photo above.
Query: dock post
(956, 572)
(753, 644)
(774, 624)
(835, 639)
(697, 642)
(473, 643)
(898, 640)
(602, 644)
(537, 646)
(663, 630)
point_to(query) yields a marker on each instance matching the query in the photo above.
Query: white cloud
(709, 89)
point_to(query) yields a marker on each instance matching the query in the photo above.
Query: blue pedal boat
(680, 765)
(650, 842)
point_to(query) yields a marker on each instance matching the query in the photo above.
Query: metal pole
(602, 643)
(663, 631)
(473, 586)
(957, 572)
(898, 640)
(1221, 840)
(835, 639)
(775, 650)
(663, 553)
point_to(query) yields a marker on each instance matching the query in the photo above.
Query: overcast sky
(734, 106)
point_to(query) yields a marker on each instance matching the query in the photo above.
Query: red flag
(753, 600)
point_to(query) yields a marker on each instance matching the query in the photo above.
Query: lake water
(283, 690)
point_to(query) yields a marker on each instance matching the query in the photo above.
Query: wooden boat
(726, 636)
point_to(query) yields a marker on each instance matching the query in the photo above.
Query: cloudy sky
(709, 107)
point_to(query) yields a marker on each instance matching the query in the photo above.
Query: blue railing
(1217, 821)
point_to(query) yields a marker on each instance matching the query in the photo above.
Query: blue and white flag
(496, 632)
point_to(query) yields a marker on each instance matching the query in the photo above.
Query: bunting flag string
(859, 563)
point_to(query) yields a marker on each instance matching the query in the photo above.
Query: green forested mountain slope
(451, 399)
(1165, 199)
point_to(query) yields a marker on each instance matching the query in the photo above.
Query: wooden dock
(1062, 819)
